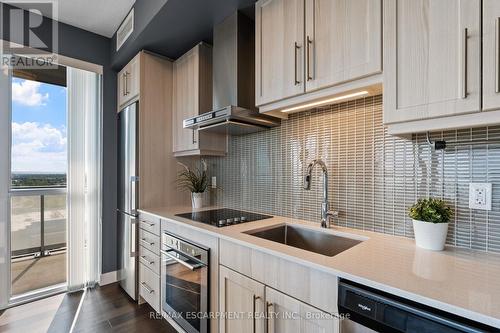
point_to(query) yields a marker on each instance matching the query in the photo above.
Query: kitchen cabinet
(267, 269)
(288, 315)
(279, 59)
(314, 49)
(343, 41)
(192, 95)
(432, 59)
(284, 314)
(149, 260)
(242, 295)
(129, 82)
(491, 55)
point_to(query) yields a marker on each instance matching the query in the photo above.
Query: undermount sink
(306, 239)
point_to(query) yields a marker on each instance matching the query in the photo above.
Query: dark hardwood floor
(104, 309)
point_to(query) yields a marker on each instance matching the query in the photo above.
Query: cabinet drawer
(149, 286)
(150, 223)
(149, 259)
(149, 241)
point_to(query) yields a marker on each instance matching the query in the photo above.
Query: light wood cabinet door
(431, 59)
(279, 47)
(133, 78)
(185, 100)
(343, 41)
(243, 296)
(192, 95)
(129, 81)
(288, 315)
(491, 54)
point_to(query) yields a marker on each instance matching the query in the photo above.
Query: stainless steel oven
(184, 282)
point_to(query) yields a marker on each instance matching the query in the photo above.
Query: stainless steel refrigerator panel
(127, 160)
(127, 200)
(128, 272)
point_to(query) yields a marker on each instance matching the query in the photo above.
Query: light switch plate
(480, 196)
(214, 182)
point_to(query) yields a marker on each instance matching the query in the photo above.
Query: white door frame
(5, 146)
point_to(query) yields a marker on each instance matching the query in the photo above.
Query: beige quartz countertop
(460, 281)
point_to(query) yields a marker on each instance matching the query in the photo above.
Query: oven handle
(182, 262)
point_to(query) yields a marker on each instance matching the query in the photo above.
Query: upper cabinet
(192, 95)
(343, 41)
(434, 52)
(307, 50)
(279, 42)
(129, 82)
(491, 54)
(432, 59)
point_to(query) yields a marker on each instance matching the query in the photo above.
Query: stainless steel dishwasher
(371, 310)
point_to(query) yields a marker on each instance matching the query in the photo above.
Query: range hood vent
(233, 110)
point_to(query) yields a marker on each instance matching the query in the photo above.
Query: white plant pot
(197, 200)
(430, 236)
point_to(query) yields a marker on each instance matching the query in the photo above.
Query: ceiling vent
(125, 29)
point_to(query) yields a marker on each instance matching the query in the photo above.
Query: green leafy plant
(195, 180)
(431, 210)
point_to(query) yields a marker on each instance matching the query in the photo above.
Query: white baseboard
(108, 278)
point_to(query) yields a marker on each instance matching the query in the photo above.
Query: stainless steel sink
(309, 240)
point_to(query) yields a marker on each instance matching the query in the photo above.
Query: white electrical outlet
(480, 196)
(214, 182)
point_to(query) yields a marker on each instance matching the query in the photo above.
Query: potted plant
(430, 223)
(195, 181)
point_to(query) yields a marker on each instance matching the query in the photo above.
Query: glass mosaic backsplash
(373, 177)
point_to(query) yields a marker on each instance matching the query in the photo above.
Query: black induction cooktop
(223, 217)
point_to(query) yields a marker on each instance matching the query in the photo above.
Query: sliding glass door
(50, 185)
(39, 156)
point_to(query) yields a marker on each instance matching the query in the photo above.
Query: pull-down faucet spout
(326, 214)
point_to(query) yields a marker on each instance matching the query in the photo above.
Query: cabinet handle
(144, 240)
(149, 223)
(255, 298)
(123, 84)
(149, 262)
(465, 60)
(296, 49)
(126, 83)
(268, 319)
(194, 137)
(497, 62)
(148, 289)
(309, 43)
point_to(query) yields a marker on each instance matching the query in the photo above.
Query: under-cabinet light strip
(326, 101)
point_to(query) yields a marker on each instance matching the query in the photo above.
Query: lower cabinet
(149, 287)
(240, 297)
(250, 306)
(286, 314)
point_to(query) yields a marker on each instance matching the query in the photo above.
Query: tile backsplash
(373, 177)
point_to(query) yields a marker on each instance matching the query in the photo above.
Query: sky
(39, 140)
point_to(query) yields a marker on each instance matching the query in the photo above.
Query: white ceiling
(99, 16)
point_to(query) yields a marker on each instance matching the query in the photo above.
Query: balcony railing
(38, 221)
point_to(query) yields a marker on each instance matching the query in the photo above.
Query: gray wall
(374, 177)
(83, 45)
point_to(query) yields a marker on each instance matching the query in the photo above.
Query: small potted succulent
(430, 223)
(194, 180)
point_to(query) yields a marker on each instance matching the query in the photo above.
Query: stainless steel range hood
(234, 110)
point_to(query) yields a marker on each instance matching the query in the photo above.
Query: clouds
(38, 147)
(27, 93)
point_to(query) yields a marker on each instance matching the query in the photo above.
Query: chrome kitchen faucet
(326, 213)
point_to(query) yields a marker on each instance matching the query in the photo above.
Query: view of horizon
(39, 138)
